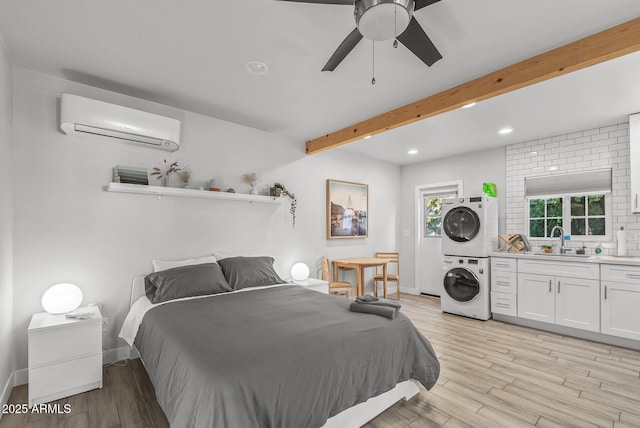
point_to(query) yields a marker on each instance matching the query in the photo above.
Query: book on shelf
(131, 175)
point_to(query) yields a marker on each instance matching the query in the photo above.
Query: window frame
(441, 196)
(566, 217)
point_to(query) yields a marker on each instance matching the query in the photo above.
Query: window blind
(598, 181)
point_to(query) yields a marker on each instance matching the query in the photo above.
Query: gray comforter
(278, 357)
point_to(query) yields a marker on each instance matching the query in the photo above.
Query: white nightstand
(312, 284)
(65, 355)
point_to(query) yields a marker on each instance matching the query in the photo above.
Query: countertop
(632, 261)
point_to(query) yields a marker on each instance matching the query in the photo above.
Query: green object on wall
(490, 189)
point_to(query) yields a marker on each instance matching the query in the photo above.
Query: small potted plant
(547, 248)
(251, 179)
(164, 173)
(278, 189)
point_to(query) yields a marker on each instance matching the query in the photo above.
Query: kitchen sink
(573, 255)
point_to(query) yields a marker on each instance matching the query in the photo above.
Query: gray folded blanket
(371, 300)
(367, 308)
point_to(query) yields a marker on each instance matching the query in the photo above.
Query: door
(578, 303)
(536, 299)
(429, 260)
(620, 314)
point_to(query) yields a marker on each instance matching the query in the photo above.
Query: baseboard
(6, 392)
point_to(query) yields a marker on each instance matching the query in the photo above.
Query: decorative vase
(253, 191)
(163, 181)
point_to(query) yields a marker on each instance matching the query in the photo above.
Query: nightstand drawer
(55, 345)
(71, 377)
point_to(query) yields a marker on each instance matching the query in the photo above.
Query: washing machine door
(461, 284)
(461, 224)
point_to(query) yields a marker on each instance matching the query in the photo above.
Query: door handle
(549, 286)
(605, 292)
(558, 287)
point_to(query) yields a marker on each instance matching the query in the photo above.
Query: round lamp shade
(300, 272)
(62, 298)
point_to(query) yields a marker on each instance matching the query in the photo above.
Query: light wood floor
(493, 374)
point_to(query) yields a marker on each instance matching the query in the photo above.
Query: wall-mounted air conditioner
(84, 116)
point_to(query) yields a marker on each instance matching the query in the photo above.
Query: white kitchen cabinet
(504, 286)
(65, 355)
(634, 156)
(536, 297)
(621, 301)
(578, 303)
(571, 301)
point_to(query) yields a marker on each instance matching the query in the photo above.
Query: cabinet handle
(502, 265)
(502, 283)
(558, 287)
(636, 201)
(549, 286)
(605, 292)
(633, 275)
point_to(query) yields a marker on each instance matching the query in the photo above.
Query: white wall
(473, 169)
(588, 150)
(68, 229)
(6, 229)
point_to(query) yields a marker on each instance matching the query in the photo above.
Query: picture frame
(347, 210)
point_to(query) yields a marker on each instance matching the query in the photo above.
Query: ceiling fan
(384, 20)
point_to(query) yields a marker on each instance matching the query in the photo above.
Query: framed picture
(347, 210)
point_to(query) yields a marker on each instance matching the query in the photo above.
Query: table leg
(335, 271)
(360, 280)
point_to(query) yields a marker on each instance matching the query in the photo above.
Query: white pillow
(159, 265)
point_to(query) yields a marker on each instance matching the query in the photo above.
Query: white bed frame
(353, 417)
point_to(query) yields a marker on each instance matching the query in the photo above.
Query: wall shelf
(190, 193)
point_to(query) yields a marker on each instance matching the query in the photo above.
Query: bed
(275, 356)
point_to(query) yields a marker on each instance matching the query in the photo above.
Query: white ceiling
(190, 54)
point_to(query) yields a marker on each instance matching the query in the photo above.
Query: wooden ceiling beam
(612, 43)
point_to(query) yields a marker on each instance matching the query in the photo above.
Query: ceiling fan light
(380, 20)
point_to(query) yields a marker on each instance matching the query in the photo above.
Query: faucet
(562, 249)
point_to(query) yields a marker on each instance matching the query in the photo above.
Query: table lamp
(300, 271)
(62, 298)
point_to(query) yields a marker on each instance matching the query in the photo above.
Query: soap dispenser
(598, 248)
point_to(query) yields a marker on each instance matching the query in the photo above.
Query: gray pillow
(185, 281)
(243, 272)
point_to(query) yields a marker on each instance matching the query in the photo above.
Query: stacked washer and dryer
(469, 235)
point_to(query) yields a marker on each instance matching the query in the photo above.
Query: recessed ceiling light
(256, 67)
(505, 131)
(469, 105)
(367, 137)
(413, 152)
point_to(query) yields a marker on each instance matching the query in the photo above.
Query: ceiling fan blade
(343, 50)
(419, 4)
(349, 2)
(417, 41)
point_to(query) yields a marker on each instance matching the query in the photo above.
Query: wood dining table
(360, 264)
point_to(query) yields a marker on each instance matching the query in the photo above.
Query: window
(587, 217)
(433, 214)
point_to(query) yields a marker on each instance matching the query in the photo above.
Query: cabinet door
(634, 152)
(620, 314)
(578, 303)
(536, 297)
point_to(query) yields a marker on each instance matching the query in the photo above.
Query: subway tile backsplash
(592, 149)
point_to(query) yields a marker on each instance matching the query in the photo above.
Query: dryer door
(461, 224)
(461, 284)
